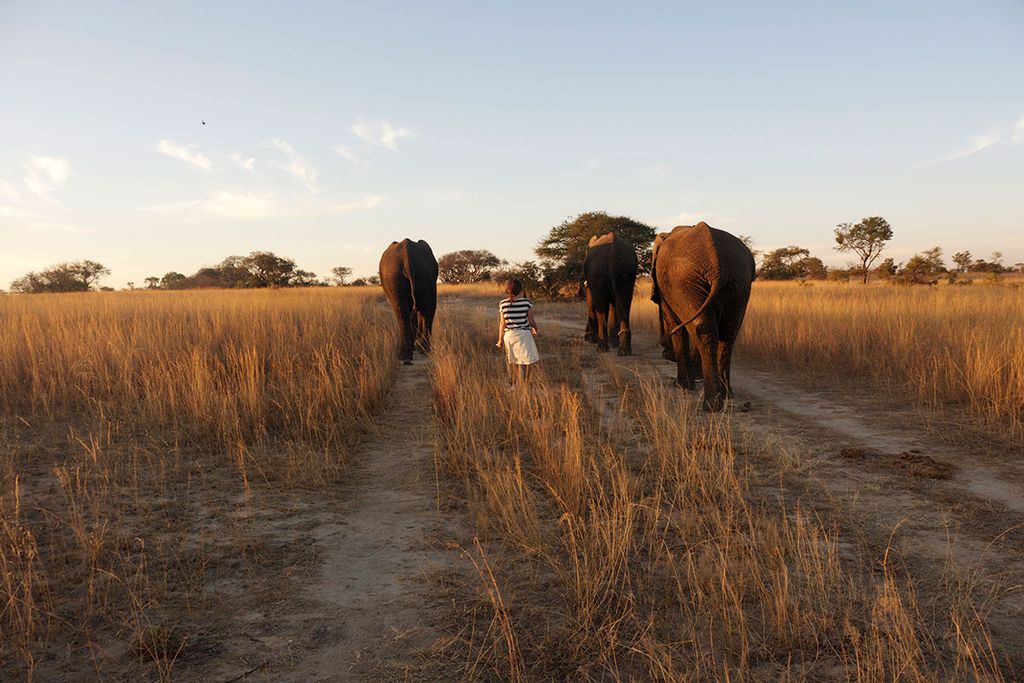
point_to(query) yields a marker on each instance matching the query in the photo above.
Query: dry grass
(620, 533)
(136, 430)
(624, 542)
(943, 346)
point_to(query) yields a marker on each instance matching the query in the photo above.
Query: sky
(332, 129)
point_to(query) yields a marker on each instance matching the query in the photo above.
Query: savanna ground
(247, 486)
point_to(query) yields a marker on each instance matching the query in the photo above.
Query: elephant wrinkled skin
(610, 271)
(702, 280)
(408, 274)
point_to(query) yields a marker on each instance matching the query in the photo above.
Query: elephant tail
(703, 307)
(407, 265)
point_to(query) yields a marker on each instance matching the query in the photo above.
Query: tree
(467, 265)
(267, 269)
(778, 263)
(131, 285)
(366, 281)
(75, 276)
(963, 260)
(923, 268)
(789, 263)
(562, 252)
(173, 280)
(341, 274)
(865, 239)
(152, 282)
(886, 269)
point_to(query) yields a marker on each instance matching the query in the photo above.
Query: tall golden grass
(944, 346)
(620, 539)
(131, 421)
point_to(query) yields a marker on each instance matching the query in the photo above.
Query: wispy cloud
(655, 169)
(8, 211)
(254, 206)
(975, 144)
(240, 206)
(188, 153)
(1008, 137)
(45, 174)
(7, 190)
(243, 163)
(350, 154)
(296, 164)
(381, 133)
(356, 205)
(1018, 132)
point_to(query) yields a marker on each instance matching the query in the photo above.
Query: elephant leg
(602, 329)
(624, 333)
(725, 366)
(590, 334)
(403, 312)
(706, 339)
(424, 323)
(684, 376)
(613, 326)
(692, 355)
(667, 349)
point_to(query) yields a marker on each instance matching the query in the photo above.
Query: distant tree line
(73, 276)
(558, 267)
(258, 269)
(867, 240)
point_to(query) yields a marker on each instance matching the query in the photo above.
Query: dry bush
(137, 429)
(623, 541)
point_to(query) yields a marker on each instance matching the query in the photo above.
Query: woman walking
(516, 330)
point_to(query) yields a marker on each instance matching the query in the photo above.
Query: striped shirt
(515, 313)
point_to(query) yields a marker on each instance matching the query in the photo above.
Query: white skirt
(520, 348)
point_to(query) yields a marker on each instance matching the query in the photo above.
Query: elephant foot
(625, 351)
(712, 406)
(684, 384)
(602, 347)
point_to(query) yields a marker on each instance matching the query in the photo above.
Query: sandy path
(375, 576)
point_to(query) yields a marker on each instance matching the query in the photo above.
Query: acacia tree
(467, 265)
(866, 239)
(75, 276)
(963, 260)
(565, 248)
(924, 267)
(341, 274)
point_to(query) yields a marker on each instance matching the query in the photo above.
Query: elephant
(702, 281)
(610, 271)
(408, 274)
(667, 352)
(590, 334)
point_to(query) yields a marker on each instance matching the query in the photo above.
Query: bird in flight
(204, 123)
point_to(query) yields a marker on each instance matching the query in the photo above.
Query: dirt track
(882, 470)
